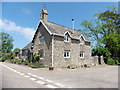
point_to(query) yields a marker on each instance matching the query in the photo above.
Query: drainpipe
(52, 50)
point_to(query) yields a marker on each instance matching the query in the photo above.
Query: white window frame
(66, 38)
(66, 54)
(82, 53)
(82, 40)
(81, 36)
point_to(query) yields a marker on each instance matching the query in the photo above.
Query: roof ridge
(61, 25)
(64, 26)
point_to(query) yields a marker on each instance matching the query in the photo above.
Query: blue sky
(20, 19)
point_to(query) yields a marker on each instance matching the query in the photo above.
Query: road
(18, 76)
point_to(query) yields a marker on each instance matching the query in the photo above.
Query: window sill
(41, 58)
(81, 43)
(66, 57)
(66, 41)
(82, 57)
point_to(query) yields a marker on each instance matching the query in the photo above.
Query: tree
(16, 50)
(6, 42)
(105, 32)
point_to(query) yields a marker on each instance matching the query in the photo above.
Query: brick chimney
(44, 15)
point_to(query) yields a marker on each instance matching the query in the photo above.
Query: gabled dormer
(82, 40)
(67, 37)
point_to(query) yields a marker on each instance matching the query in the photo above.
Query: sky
(20, 19)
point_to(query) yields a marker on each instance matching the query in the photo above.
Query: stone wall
(74, 47)
(55, 53)
(46, 46)
(94, 61)
(97, 60)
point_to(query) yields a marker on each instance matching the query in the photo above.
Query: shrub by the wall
(111, 61)
(37, 65)
(26, 62)
(2, 59)
(19, 61)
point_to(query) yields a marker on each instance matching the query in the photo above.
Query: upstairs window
(66, 38)
(87, 43)
(81, 40)
(41, 39)
(81, 54)
(66, 54)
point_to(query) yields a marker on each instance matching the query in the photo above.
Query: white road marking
(27, 76)
(50, 86)
(17, 72)
(6, 66)
(41, 78)
(58, 84)
(48, 80)
(14, 71)
(32, 79)
(29, 73)
(21, 74)
(10, 68)
(34, 75)
(41, 82)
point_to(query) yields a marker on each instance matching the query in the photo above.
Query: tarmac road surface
(19, 76)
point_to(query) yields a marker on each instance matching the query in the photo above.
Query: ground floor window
(41, 53)
(66, 54)
(81, 54)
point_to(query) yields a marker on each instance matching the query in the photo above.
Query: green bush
(111, 61)
(14, 61)
(37, 65)
(2, 59)
(26, 62)
(19, 61)
(29, 64)
(116, 60)
(36, 57)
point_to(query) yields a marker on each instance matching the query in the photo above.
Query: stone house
(59, 46)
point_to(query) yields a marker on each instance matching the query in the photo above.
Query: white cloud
(8, 25)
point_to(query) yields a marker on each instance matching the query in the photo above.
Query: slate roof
(57, 29)
(28, 46)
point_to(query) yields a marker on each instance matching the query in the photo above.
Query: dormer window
(41, 39)
(66, 37)
(81, 40)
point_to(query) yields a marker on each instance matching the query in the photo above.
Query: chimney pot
(44, 15)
